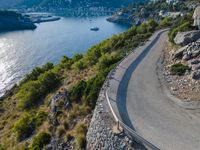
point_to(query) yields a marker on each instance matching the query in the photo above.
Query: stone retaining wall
(100, 134)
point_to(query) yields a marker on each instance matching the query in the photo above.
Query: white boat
(94, 29)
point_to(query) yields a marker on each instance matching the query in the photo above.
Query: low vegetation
(178, 69)
(27, 124)
(40, 140)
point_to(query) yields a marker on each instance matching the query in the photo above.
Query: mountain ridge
(64, 3)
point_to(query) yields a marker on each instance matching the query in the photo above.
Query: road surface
(143, 105)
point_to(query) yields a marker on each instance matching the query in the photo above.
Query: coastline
(7, 87)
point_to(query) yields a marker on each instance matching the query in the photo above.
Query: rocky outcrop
(185, 88)
(123, 18)
(196, 75)
(188, 52)
(184, 38)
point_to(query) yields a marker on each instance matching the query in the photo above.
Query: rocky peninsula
(41, 17)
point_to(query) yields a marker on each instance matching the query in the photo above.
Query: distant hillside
(64, 3)
(11, 20)
(8, 3)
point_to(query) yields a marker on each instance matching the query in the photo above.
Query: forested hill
(8, 3)
(65, 3)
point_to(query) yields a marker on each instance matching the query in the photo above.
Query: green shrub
(77, 91)
(79, 65)
(80, 142)
(27, 123)
(37, 72)
(81, 131)
(24, 127)
(32, 92)
(40, 141)
(165, 23)
(2, 147)
(152, 25)
(40, 117)
(66, 62)
(93, 87)
(29, 94)
(48, 81)
(106, 61)
(77, 57)
(178, 69)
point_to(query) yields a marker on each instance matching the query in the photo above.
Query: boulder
(196, 67)
(188, 52)
(187, 57)
(195, 53)
(196, 75)
(194, 61)
(184, 38)
(179, 52)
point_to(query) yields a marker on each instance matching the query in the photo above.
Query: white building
(196, 17)
(172, 2)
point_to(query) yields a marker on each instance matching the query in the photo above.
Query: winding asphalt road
(143, 105)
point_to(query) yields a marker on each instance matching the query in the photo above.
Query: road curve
(143, 106)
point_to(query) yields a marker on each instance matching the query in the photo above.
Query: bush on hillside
(165, 23)
(27, 123)
(80, 142)
(79, 65)
(24, 127)
(77, 91)
(31, 92)
(40, 117)
(178, 69)
(66, 62)
(77, 57)
(40, 141)
(80, 135)
(35, 73)
(93, 87)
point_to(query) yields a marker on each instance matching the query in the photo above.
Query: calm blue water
(21, 51)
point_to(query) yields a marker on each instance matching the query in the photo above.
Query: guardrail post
(118, 125)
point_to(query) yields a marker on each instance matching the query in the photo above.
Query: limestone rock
(188, 52)
(194, 61)
(179, 52)
(187, 57)
(196, 75)
(184, 38)
(196, 67)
